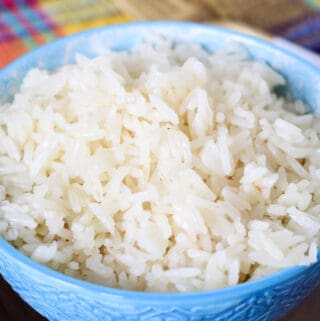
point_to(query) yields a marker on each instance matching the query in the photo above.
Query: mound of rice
(165, 169)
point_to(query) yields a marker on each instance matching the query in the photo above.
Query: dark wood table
(12, 308)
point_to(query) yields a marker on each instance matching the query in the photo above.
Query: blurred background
(26, 24)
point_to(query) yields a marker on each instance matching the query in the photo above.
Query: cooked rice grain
(155, 171)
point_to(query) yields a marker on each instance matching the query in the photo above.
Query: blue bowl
(62, 298)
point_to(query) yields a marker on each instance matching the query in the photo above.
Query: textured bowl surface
(61, 298)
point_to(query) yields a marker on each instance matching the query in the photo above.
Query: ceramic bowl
(62, 298)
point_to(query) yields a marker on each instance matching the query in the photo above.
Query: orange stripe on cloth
(11, 50)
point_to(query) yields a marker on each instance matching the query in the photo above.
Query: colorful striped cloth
(26, 24)
(23, 26)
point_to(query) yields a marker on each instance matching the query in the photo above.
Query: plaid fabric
(26, 24)
(23, 26)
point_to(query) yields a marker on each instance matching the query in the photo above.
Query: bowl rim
(162, 24)
(219, 294)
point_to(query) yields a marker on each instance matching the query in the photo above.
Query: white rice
(158, 171)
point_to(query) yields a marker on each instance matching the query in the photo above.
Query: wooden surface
(12, 308)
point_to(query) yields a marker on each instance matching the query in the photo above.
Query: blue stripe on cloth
(35, 19)
(304, 29)
(13, 23)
